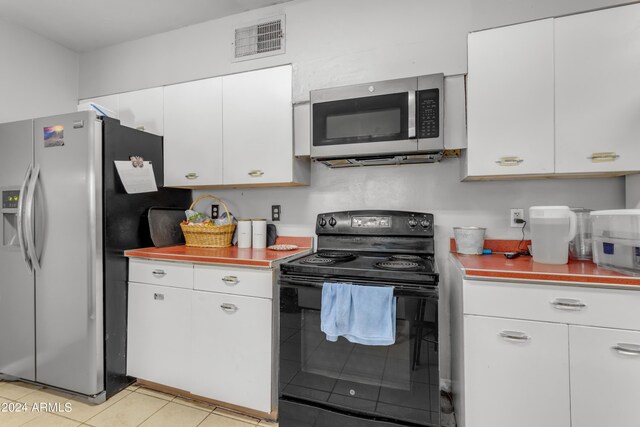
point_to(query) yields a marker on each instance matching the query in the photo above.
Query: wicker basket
(219, 236)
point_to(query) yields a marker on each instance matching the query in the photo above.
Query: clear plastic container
(616, 239)
(552, 228)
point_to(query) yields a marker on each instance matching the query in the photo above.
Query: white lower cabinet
(231, 349)
(552, 355)
(159, 334)
(605, 373)
(203, 329)
(517, 373)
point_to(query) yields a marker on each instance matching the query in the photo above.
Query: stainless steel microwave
(388, 122)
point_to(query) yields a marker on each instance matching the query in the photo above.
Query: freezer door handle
(20, 218)
(29, 219)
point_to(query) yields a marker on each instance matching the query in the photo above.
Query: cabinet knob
(191, 175)
(514, 336)
(627, 349)
(568, 304)
(230, 280)
(139, 127)
(604, 156)
(256, 173)
(509, 161)
(158, 297)
(159, 273)
(229, 307)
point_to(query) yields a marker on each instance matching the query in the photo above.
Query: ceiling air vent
(264, 38)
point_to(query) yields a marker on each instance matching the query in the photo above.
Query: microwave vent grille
(264, 38)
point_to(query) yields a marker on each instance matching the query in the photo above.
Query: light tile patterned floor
(135, 406)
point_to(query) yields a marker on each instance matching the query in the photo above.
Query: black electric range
(325, 383)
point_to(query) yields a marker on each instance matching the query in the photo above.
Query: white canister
(259, 233)
(244, 233)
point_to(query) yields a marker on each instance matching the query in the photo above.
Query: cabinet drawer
(612, 308)
(177, 275)
(249, 282)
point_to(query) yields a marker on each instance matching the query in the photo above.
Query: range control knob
(425, 223)
(322, 222)
(332, 222)
(412, 222)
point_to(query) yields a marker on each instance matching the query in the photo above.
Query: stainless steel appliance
(325, 383)
(66, 223)
(388, 122)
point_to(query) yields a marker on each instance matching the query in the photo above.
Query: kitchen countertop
(231, 255)
(496, 266)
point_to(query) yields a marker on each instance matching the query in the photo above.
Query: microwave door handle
(411, 128)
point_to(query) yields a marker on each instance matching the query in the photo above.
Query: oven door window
(361, 120)
(399, 382)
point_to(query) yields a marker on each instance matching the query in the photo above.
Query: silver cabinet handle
(514, 336)
(158, 297)
(627, 349)
(256, 173)
(191, 175)
(159, 273)
(509, 161)
(230, 280)
(603, 156)
(229, 307)
(568, 304)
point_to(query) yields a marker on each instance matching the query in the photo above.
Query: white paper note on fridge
(136, 179)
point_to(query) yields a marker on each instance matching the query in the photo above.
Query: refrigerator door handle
(20, 218)
(29, 211)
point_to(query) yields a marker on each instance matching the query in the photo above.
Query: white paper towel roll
(244, 233)
(259, 233)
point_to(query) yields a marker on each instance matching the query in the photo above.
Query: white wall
(332, 42)
(38, 77)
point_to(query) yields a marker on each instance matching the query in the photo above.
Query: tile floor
(135, 406)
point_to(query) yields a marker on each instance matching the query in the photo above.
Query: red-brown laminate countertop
(496, 266)
(231, 255)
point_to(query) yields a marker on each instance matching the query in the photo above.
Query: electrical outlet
(276, 212)
(215, 211)
(516, 213)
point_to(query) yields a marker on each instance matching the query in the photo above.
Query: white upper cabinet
(598, 91)
(258, 127)
(193, 133)
(142, 109)
(510, 100)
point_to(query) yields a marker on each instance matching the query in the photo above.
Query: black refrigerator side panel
(126, 227)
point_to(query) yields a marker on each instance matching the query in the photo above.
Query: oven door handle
(399, 289)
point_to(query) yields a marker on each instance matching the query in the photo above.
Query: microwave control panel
(428, 110)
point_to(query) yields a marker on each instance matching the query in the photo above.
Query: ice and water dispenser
(9, 211)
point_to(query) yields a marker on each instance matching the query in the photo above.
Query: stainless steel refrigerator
(66, 221)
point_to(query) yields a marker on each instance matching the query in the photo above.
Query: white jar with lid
(552, 228)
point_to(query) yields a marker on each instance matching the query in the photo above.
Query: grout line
(166, 402)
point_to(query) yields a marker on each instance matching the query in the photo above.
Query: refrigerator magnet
(53, 136)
